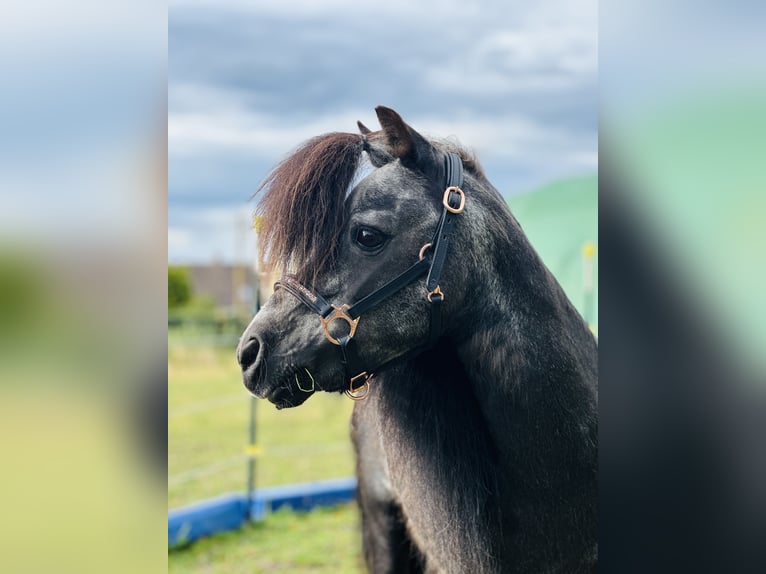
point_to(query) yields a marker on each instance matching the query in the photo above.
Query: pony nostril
(248, 353)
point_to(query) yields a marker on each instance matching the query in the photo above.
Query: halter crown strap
(453, 202)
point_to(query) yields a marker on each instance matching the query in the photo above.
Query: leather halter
(453, 203)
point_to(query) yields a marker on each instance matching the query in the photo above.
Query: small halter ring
(338, 313)
(359, 393)
(423, 249)
(433, 293)
(297, 382)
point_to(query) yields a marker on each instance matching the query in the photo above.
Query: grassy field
(208, 414)
(326, 540)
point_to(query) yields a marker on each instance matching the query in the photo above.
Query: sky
(248, 81)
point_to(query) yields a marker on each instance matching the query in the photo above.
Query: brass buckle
(339, 313)
(360, 393)
(422, 253)
(436, 291)
(445, 200)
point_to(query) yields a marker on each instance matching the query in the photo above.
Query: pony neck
(528, 355)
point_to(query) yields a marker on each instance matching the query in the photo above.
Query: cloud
(509, 62)
(249, 81)
(222, 233)
(336, 58)
(214, 132)
(179, 239)
(255, 135)
(328, 9)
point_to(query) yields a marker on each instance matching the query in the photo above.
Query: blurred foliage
(191, 315)
(22, 293)
(44, 330)
(179, 287)
(69, 386)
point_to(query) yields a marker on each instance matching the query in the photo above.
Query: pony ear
(374, 145)
(363, 129)
(409, 146)
(398, 134)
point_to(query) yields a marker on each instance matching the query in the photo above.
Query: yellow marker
(253, 450)
(589, 250)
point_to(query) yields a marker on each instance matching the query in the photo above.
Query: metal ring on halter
(338, 313)
(351, 392)
(422, 253)
(436, 291)
(297, 382)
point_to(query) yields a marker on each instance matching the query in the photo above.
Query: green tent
(561, 221)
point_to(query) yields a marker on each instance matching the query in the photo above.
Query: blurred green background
(561, 222)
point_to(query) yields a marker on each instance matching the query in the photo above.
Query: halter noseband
(453, 203)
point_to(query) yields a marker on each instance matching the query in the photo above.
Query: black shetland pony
(476, 440)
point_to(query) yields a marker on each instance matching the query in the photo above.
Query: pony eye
(369, 239)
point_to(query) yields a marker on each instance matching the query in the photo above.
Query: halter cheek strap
(453, 202)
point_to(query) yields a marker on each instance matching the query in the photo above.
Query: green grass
(326, 540)
(208, 411)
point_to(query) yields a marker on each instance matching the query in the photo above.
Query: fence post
(251, 462)
(588, 254)
(252, 448)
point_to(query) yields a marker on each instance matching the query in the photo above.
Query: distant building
(232, 287)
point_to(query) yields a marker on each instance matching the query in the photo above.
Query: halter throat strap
(357, 376)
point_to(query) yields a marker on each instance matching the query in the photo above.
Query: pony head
(342, 242)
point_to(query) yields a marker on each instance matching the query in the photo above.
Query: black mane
(301, 211)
